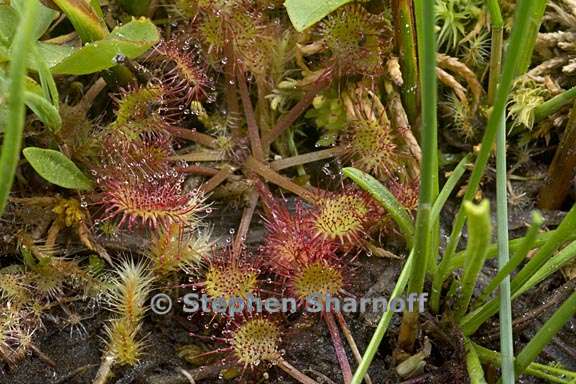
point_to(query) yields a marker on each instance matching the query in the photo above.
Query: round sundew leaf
(57, 169)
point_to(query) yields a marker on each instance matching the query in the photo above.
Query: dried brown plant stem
(562, 170)
(306, 158)
(104, 370)
(351, 342)
(338, 347)
(218, 178)
(193, 135)
(294, 372)
(401, 123)
(84, 105)
(274, 177)
(450, 81)
(253, 131)
(459, 68)
(288, 119)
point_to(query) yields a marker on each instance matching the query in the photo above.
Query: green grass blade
(506, 332)
(383, 324)
(16, 110)
(523, 26)
(479, 234)
(381, 194)
(448, 188)
(543, 337)
(429, 142)
(528, 243)
(473, 364)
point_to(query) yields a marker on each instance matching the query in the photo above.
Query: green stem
(13, 133)
(546, 333)
(473, 364)
(427, 40)
(388, 201)
(522, 28)
(479, 234)
(384, 322)
(565, 231)
(546, 372)
(553, 105)
(497, 25)
(404, 21)
(506, 331)
(564, 257)
(520, 254)
(448, 188)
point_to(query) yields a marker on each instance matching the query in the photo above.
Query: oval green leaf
(57, 169)
(306, 13)
(128, 41)
(388, 201)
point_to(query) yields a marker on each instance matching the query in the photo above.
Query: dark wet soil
(76, 353)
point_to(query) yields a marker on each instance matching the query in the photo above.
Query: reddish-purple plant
(181, 74)
(141, 186)
(345, 216)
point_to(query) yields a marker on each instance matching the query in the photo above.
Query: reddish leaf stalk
(288, 119)
(272, 176)
(338, 347)
(245, 223)
(193, 135)
(253, 131)
(218, 178)
(306, 158)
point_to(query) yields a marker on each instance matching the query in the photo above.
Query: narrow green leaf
(45, 16)
(8, 23)
(86, 20)
(130, 41)
(379, 192)
(13, 132)
(305, 13)
(53, 54)
(473, 364)
(479, 234)
(545, 334)
(46, 111)
(57, 169)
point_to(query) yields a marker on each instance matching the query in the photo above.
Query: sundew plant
(418, 154)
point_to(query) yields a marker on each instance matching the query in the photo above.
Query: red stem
(193, 135)
(338, 347)
(253, 131)
(288, 119)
